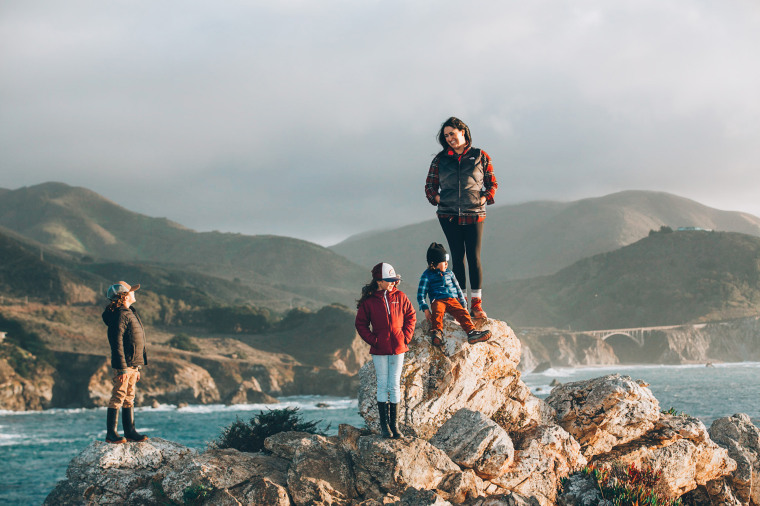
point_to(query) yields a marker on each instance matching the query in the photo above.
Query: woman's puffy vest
(461, 182)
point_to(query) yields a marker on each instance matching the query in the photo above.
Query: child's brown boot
(436, 337)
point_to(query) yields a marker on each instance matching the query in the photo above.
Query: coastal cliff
(734, 340)
(475, 435)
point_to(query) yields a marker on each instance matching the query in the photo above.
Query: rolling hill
(540, 238)
(96, 230)
(663, 279)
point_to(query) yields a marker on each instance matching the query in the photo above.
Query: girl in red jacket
(385, 320)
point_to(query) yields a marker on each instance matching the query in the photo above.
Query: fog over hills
(539, 238)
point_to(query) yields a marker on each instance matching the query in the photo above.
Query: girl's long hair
(367, 291)
(117, 302)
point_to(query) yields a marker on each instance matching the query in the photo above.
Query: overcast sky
(318, 119)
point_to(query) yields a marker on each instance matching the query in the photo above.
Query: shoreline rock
(475, 436)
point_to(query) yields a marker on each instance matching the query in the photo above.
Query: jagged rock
(604, 412)
(105, 473)
(580, 490)
(422, 497)
(285, 444)
(18, 393)
(679, 447)
(544, 454)
(474, 441)
(741, 438)
(461, 487)
(229, 477)
(249, 392)
(438, 382)
(321, 472)
(392, 465)
(522, 408)
(507, 499)
(175, 380)
(159, 471)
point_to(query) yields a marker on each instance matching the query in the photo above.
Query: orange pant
(123, 392)
(452, 306)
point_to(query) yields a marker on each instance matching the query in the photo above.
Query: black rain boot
(128, 420)
(393, 412)
(382, 408)
(112, 424)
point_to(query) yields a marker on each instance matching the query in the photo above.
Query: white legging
(388, 371)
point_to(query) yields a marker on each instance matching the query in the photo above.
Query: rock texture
(20, 393)
(438, 382)
(475, 436)
(604, 412)
(742, 441)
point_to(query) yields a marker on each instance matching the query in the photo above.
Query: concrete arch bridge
(637, 334)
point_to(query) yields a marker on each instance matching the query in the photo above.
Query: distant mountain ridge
(540, 238)
(80, 221)
(667, 278)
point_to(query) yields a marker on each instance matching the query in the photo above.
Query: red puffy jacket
(385, 320)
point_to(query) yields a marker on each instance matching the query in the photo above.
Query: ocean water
(36, 447)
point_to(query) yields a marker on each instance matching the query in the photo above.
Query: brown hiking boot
(476, 309)
(478, 336)
(436, 337)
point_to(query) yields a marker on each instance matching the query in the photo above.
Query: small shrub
(196, 494)
(183, 342)
(250, 436)
(629, 486)
(672, 411)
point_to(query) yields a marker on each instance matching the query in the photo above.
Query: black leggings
(464, 239)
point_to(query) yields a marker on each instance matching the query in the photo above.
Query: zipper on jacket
(385, 299)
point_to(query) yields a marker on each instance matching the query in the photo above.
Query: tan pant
(452, 306)
(123, 392)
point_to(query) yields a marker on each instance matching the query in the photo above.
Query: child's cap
(436, 254)
(386, 272)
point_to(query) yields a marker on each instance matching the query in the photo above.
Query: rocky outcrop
(438, 382)
(604, 412)
(32, 391)
(498, 446)
(725, 341)
(741, 439)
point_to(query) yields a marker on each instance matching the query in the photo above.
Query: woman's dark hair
(454, 123)
(367, 290)
(117, 302)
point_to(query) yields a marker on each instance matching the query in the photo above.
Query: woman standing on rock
(461, 183)
(128, 354)
(385, 320)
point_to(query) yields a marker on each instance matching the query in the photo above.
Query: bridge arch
(636, 337)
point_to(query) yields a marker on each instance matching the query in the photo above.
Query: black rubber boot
(393, 413)
(382, 408)
(112, 424)
(128, 420)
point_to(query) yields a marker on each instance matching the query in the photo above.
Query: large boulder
(162, 472)
(604, 412)
(741, 439)
(544, 455)
(321, 472)
(385, 466)
(474, 441)
(680, 448)
(438, 382)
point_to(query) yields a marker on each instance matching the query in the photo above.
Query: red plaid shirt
(489, 181)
